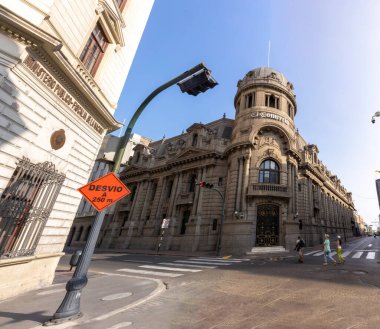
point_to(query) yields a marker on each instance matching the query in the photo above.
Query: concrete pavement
(104, 300)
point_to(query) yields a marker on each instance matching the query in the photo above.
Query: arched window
(269, 172)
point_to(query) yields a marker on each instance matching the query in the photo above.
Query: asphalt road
(249, 293)
(166, 292)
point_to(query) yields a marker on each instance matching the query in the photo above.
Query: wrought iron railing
(25, 206)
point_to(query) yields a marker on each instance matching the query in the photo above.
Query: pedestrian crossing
(180, 267)
(355, 254)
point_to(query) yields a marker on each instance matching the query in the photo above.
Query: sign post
(101, 193)
(164, 225)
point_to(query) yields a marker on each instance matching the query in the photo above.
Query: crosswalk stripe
(371, 255)
(310, 253)
(187, 265)
(200, 262)
(169, 268)
(358, 254)
(346, 253)
(319, 253)
(172, 275)
(332, 253)
(230, 260)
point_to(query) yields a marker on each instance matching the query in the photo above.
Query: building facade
(63, 65)
(273, 187)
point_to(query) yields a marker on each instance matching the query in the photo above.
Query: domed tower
(263, 162)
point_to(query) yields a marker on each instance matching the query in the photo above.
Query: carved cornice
(237, 146)
(323, 181)
(28, 34)
(129, 173)
(112, 22)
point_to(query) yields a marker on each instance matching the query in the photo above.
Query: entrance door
(267, 225)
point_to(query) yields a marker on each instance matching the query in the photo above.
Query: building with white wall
(63, 65)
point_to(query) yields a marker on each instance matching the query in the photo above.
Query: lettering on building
(270, 116)
(37, 69)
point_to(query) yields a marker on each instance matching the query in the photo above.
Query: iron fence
(25, 206)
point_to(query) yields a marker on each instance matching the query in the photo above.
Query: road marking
(187, 265)
(370, 245)
(200, 262)
(319, 253)
(169, 268)
(371, 255)
(50, 292)
(312, 252)
(137, 261)
(358, 254)
(217, 260)
(172, 275)
(121, 325)
(346, 253)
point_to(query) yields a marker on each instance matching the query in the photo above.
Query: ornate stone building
(63, 65)
(273, 185)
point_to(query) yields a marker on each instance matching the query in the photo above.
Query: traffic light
(206, 185)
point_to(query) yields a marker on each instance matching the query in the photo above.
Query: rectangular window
(169, 190)
(94, 49)
(249, 100)
(214, 224)
(272, 101)
(185, 219)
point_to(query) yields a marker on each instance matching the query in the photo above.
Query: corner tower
(263, 161)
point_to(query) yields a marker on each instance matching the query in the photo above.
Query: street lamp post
(219, 239)
(194, 81)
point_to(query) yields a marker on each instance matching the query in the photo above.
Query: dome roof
(268, 73)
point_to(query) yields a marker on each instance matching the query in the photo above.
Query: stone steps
(267, 250)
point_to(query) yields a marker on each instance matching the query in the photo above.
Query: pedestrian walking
(339, 250)
(327, 250)
(300, 245)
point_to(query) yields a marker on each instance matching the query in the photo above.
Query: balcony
(274, 190)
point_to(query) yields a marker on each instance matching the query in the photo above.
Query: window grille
(25, 206)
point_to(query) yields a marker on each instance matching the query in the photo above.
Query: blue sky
(329, 50)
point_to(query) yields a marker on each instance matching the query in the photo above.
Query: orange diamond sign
(104, 191)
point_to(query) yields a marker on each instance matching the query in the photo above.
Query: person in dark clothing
(300, 245)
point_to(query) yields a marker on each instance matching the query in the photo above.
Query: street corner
(106, 295)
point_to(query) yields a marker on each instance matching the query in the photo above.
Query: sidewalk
(103, 302)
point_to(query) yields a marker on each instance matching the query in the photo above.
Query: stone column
(290, 188)
(158, 212)
(148, 186)
(245, 186)
(198, 206)
(239, 183)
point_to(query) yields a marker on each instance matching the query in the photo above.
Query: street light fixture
(377, 114)
(196, 80)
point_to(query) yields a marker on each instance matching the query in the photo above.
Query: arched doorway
(267, 227)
